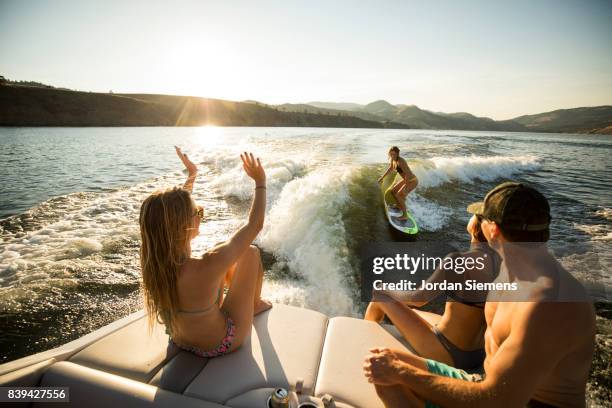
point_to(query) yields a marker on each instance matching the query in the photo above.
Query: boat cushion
(27, 376)
(130, 351)
(285, 345)
(341, 370)
(93, 388)
(179, 372)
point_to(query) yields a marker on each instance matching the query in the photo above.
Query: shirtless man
(539, 342)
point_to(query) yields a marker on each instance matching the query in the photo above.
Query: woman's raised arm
(192, 170)
(224, 255)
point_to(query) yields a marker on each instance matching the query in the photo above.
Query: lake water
(69, 202)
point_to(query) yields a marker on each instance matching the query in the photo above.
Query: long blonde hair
(166, 220)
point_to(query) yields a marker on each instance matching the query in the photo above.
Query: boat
(316, 358)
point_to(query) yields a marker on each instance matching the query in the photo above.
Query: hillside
(336, 105)
(302, 107)
(407, 116)
(577, 120)
(37, 106)
(412, 116)
(33, 104)
(583, 120)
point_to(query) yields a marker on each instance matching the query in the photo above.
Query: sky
(490, 58)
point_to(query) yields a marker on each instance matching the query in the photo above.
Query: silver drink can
(279, 399)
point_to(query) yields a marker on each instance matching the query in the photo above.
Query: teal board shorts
(435, 367)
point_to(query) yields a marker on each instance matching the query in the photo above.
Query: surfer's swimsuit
(226, 342)
(401, 172)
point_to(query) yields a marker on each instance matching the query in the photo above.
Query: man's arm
(539, 337)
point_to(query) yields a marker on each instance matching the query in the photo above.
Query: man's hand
(382, 367)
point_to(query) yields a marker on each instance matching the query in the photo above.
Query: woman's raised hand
(189, 165)
(253, 168)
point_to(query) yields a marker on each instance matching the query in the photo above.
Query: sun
(210, 135)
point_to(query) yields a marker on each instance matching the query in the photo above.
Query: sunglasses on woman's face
(199, 212)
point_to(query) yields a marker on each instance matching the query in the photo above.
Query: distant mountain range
(579, 120)
(33, 105)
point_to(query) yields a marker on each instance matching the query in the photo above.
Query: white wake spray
(436, 171)
(305, 229)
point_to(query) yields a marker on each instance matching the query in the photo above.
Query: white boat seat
(93, 388)
(285, 345)
(179, 372)
(128, 367)
(347, 343)
(129, 352)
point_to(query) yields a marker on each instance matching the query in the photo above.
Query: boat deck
(123, 365)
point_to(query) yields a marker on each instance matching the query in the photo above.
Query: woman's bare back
(200, 292)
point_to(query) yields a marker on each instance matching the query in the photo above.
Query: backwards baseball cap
(514, 206)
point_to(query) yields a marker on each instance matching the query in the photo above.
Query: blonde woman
(186, 293)
(400, 189)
